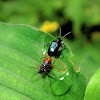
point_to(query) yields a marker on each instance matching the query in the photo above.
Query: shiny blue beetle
(55, 48)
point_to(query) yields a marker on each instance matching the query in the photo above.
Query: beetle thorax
(58, 40)
(45, 63)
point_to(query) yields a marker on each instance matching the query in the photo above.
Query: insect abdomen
(53, 49)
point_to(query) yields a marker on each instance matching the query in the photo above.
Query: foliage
(38, 13)
(19, 46)
(93, 88)
(86, 54)
(35, 12)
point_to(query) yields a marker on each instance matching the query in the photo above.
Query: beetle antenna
(66, 34)
(60, 32)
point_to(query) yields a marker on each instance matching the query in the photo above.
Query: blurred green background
(82, 17)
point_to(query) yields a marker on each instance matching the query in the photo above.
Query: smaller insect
(46, 66)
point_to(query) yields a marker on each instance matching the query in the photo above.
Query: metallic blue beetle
(56, 47)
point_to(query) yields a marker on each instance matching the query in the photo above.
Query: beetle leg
(74, 65)
(45, 55)
(62, 64)
(36, 68)
(79, 68)
(64, 47)
(48, 44)
(60, 49)
(49, 74)
(41, 80)
(58, 68)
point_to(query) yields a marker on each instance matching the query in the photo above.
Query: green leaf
(21, 47)
(89, 56)
(93, 88)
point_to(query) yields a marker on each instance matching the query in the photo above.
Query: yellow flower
(49, 26)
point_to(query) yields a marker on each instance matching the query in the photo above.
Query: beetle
(46, 66)
(56, 47)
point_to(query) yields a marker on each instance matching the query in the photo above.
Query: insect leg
(49, 74)
(41, 80)
(38, 67)
(63, 46)
(45, 55)
(35, 75)
(72, 63)
(74, 66)
(58, 68)
(48, 44)
(62, 64)
(35, 68)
